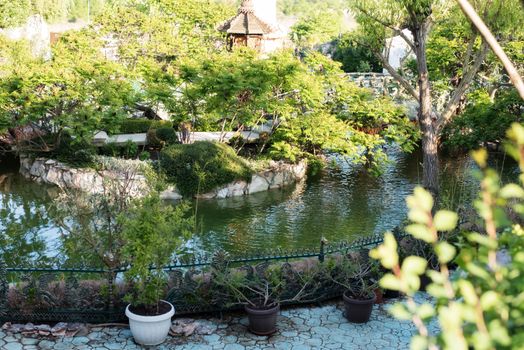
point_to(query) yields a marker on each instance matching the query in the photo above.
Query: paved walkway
(304, 328)
(141, 138)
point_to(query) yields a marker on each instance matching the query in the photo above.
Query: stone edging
(49, 171)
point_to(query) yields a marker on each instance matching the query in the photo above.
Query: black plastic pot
(262, 321)
(358, 311)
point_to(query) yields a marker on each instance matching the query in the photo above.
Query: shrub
(137, 126)
(75, 152)
(202, 166)
(127, 150)
(354, 56)
(483, 122)
(152, 231)
(162, 137)
(110, 149)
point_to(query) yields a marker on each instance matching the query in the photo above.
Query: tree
(77, 92)
(381, 19)
(312, 111)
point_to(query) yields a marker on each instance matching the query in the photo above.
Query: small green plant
(152, 231)
(482, 305)
(75, 152)
(202, 166)
(356, 274)
(260, 288)
(143, 156)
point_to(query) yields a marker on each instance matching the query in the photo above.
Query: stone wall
(52, 172)
(379, 83)
(278, 175)
(48, 171)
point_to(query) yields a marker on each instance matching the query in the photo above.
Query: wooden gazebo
(247, 29)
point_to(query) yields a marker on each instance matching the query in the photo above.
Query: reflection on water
(28, 235)
(339, 204)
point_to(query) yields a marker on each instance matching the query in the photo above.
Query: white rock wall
(48, 171)
(52, 172)
(278, 175)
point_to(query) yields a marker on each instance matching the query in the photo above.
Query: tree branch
(399, 78)
(470, 12)
(396, 30)
(468, 76)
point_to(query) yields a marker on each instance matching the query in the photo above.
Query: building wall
(266, 10)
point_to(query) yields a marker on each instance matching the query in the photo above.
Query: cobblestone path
(321, 327)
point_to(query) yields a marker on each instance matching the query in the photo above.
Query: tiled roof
(246, 22)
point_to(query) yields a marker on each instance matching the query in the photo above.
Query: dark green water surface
(341, 203)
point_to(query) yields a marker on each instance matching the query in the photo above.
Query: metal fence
(96, 295)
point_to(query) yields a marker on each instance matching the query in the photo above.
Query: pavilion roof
(246, 22)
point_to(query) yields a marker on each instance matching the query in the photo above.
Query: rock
(187, 327)
(258, 184)
(171, 195)
(59, 327)
(43, 328)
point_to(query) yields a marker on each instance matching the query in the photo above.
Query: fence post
(4, 288)
(111, 296)
(322, 254)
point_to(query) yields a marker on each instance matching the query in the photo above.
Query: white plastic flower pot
(150, 330)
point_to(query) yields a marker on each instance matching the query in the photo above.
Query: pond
(341, 203)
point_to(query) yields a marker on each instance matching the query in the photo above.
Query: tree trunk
(428, 124)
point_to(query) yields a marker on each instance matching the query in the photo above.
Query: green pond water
(341, 203)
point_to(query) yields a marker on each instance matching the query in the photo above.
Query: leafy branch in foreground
(481, 305)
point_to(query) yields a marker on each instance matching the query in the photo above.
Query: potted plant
(261, 291)
(358, 275)
(151, 233)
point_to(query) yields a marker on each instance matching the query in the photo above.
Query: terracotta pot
(380, 296)
(358, 311)
(262, 321)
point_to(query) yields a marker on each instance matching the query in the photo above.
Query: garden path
(322, 327)
(141, 139)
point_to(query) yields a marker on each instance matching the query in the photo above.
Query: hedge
(137, 126)
(202, 166)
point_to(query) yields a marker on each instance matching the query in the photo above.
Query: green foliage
(152, 231)
(138, 126)
(316, 28)
(262, 288)
(484, 121)
(167, 135)
(480, 307)
(354, 56)
(78, 90)
(304, 7)
(15, 13)
(202, 166)
(162, 137)
(314, 110)
(357, 273)
(75, 152)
